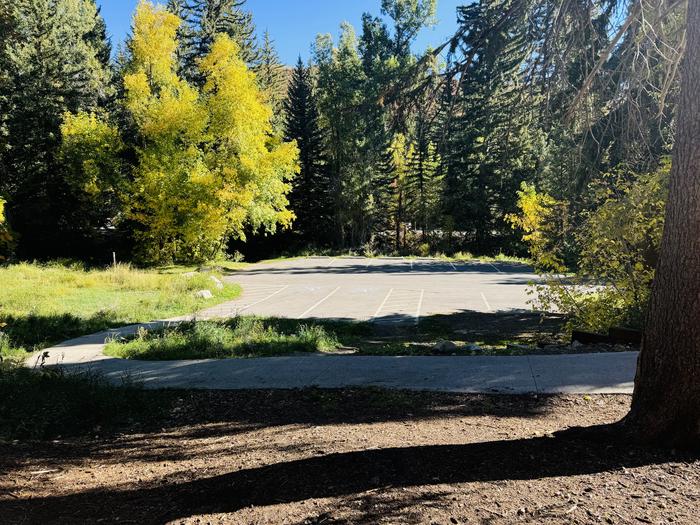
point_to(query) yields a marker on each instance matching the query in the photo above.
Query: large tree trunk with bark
(666, 401)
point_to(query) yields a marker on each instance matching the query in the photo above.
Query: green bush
(619, 241)
(7, 242)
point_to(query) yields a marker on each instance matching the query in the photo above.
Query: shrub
(618, 239)
(7, 242)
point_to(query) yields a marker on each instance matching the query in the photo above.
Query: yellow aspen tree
(205, 169)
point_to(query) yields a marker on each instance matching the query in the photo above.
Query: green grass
(42, 304)
(466, 256)
(246, 337)
(48, 404)
(235, 338)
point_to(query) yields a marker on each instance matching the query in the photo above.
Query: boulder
(204, 294)
(219, 285)
(445, 347)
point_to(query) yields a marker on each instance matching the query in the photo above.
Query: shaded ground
(369, 456)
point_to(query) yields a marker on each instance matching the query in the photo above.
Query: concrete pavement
(611, 373)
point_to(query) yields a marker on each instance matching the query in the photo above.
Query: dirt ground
(319, 457)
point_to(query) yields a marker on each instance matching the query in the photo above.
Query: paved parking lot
(384, 290)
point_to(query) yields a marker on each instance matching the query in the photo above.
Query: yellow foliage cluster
(207, 165)
(537, 219)
(89, 149)
(6, 241)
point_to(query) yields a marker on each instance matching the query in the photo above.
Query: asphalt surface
(384, 290)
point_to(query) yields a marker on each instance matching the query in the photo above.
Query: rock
(474, 348)
(445, 347)
(219, 285)
(204, 294)
(189, 275)
(519, 348)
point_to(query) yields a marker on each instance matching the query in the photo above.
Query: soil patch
(353, 456)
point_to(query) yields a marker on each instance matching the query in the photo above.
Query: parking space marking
(265, 299)
(381, 306)
(307, 312)
(333, 261)
(453, 266)
(496, 268)
(420, 305)
(486, 302)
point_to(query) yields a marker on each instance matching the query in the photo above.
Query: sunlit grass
(239, 337)
(41, 304)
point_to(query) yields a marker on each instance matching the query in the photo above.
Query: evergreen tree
(202, 20)
(272, 79)
(341, 84)
(53, 62)
(311, 199)
(490, 148)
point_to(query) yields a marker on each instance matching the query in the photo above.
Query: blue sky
(294, 24)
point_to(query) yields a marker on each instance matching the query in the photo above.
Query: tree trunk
(666, 401)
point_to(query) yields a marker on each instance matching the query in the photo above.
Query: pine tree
(490, 147)
(202, 20)
(311, 198)
(341, 84)
(272, 79)
(53, 61)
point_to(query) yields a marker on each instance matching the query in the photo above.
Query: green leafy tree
(93, 171)
(311, 198)
(52, 61)
(7, 242)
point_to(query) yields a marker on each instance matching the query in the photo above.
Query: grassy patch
(44, 304)
(245, 337)
(47, 403)
(239, 337)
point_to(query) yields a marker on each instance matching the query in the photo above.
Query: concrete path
(585, 373)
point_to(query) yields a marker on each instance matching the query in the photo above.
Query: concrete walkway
(585, 373)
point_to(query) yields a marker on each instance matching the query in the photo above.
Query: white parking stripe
(333, 261)
(453, 266)
(307, 312)
(376, 314)
(488, 306)
(420, 305)
(265, 299)
(496, 268)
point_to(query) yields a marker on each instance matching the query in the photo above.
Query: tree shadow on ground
(393, 266)
(33, 330)
(338, 475)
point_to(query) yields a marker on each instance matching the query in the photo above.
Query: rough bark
(666, 403)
